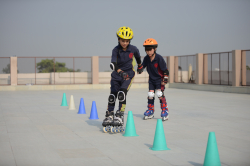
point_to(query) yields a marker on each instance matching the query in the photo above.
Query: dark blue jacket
(124, 59)
(155, 68)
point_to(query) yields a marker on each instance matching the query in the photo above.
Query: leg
(121, 95)
(150, 112)
(109, 117)
(164, 106)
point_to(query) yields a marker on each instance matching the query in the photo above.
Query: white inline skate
(118, 122)
(108, 121)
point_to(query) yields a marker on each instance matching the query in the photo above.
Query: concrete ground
(36, 130)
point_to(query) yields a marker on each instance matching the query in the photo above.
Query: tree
(7, 69)
(47, 66)
(248, 68)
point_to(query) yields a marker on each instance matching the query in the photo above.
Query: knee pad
(159, 93)
(151, 94)
(122, 95)
(112, 98)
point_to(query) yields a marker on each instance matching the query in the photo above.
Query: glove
(140, 69)
(123, 74)
(165, 79)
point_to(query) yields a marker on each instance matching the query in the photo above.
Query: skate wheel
(108, 128)
(164, 118)
(105, 130)
(112, 130)
(145, 117)
(117, 131)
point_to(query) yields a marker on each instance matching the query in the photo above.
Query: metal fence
(219, 68)
(186, 68)
(245, 67)
(53, 70)
(4, 70)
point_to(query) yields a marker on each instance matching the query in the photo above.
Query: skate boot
(164, 112)
(107, 122)
(149, 114)
(118, 122)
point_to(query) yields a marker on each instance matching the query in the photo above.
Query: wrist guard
(123, 74)
(140, 69)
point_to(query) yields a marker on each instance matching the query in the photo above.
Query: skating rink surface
(36, 131)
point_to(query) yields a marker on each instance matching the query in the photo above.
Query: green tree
(47, 66)
(248, 68)
(7, 69)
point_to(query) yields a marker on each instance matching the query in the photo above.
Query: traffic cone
(130, 126)
(64, 100)
(159, 139)
(81, 107)
(93, 114)
(212, 157)
(72, 103)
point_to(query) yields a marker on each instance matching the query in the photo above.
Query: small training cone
(93, 113)
(81, 107)
(72, 103)
(64, 100)
(159, 140)
(212, 157)
(130, 126)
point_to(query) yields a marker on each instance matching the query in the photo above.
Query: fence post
(236, 67)
(176, 68)
(205, 69)
(170, 65)
(199, 68)
(244, 70)
(13, 70)
(95, 69)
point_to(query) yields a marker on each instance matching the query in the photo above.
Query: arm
(163, 67)
(113, 64)
(137, 57)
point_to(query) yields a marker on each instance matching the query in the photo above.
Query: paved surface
(36, 130)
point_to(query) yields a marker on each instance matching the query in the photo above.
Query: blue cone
(93, 114)
(81, 107)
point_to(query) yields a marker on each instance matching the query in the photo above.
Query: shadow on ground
(195, 164)
(139, 115)
(149, 145)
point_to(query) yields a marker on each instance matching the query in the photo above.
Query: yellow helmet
(125, 33)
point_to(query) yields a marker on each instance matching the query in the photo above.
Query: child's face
(150, 52)
(124, 43)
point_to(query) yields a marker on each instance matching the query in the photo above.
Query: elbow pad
(113, 66)
(166, 72)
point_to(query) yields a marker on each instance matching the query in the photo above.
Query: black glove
(123, 74)
(165, 79)
(140, 69)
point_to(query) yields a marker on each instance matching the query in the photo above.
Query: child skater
(158, 77)
(121, 78)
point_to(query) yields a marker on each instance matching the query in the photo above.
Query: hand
(165, 79)
(140, 69)
(124, 75)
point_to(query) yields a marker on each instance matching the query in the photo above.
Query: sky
(75, 28)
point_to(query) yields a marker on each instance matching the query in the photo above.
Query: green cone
(130, 126)
(64, 100)
(212, 157)
(159, 140)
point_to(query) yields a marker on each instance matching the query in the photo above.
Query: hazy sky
(88, 28)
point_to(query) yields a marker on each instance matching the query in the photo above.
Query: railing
(53, 70)
(186, 68)
(218, 68)
(5, 71)
(245, 67)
